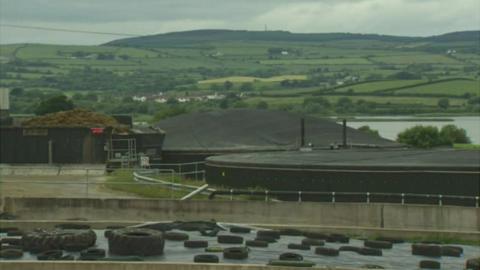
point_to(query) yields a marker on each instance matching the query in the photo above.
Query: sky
(147, 17)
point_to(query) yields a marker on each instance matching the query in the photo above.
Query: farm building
(77, 136)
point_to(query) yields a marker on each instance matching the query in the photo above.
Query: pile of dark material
(246, 130)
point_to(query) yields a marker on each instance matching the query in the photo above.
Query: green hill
(188, 38)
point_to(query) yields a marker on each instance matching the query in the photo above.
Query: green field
(324, 68)
(332, 61)
(376, 86)
(242, 79)
(454, 88)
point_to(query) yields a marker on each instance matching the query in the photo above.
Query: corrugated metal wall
(69, 145)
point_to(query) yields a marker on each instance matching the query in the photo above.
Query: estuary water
(390, 129)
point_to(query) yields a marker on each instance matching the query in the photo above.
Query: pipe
(344, 135)
(302, 132)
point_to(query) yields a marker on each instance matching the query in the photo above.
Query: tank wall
(425, 182)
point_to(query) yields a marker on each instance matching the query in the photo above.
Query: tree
(450, 134)
(17, 91)
(443, 103)
(344, 104)
(227, 85)
(367, 129)
(246, 87)
(262, 105)
(54, 104)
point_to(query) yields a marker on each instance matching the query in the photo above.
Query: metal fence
(75, 181)
(361, 197)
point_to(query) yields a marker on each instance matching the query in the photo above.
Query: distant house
(451, 51)
(284, 53)
(183, 100)
(138, 98)
(161, 100)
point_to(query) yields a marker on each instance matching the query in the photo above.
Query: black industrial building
(439, 171)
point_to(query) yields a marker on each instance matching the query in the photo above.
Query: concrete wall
(78, 265)
(387, 216)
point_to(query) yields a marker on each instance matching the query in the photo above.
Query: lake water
(390, 129)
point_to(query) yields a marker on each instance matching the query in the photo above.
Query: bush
(420, 136)
(451, 134)
(367, 129)
(429, 136)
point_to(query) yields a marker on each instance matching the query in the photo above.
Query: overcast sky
(145, 17)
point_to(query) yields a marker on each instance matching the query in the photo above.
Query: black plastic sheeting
(255, 130)
(399, 257)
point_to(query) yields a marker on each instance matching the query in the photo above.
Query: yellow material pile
(73, 118)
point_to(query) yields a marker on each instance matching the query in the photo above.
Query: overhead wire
(67, 30)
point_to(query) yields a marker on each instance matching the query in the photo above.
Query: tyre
(235, 253)
(136, 241)
(426, 250)
(256, 243)
(92, 253)
(378, 244)
(195, 244)
(290, 232)
(289, 256)
(176, 236)
(229, 239)
(350, 248)
(326, 251)
(429, 264)
(338, 238)
(473, 264)
(237, 229)
(11, 241)
(452, 251)
(312, 242)
(71, 240)
(206, 258)
(392, 240)
(298, 246)
(370, 251)
(268, 233)
(291, 264)
(372, 266)
(266, 239)
(11, 247)
(50, 255)
(15, 233)
(66, 258)
(11, 253)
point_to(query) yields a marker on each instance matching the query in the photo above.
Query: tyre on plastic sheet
(136, 241)
(206, 258)
(378, 244)
(11, 253)
(195, 244)
(235, 253)
(326, 251)
(429, 264)
(256, 243)
(289, 256)
(229, 239)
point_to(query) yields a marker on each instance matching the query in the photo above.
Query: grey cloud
(395, 17)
